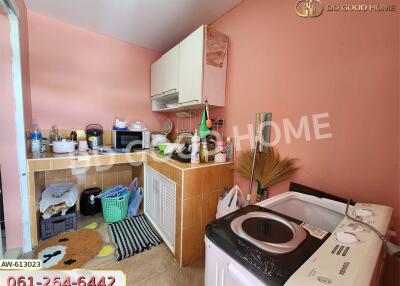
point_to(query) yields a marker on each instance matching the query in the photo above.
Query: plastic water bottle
(36, 138)
(195, 154)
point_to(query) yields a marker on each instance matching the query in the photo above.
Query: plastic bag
(231, 202)
(59, 193)
(136, 197)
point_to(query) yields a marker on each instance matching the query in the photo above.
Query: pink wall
(345, 64)
(8, 150)
(398, 138)
(24, 42)
(80, 77)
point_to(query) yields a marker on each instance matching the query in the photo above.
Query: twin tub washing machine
(300, 237)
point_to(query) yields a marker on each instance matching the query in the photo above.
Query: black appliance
(94, 135)
(89, 205)
(271, 268)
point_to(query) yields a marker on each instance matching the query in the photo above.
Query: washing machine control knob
(324, 280)
(347, 237)
(363, 213)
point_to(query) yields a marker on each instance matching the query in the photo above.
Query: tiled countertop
(53, 161)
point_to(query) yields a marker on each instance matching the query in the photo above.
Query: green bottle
(260, 191)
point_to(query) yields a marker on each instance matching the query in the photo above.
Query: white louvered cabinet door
(149, 193)
(157, 198)
(152, 195)
(160, 205)
(168, 212)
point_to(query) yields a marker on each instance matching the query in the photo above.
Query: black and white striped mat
(133, 235)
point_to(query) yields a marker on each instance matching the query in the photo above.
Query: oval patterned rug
(69, 250)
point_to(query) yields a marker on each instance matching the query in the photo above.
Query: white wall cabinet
(165, 73)
(160, 204)
(191, 68)
(185, 72)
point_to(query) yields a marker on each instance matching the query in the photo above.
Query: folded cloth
(113, 192)
(58, 193)
(56, 209)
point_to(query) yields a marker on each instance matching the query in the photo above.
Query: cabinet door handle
(162, 93)
(167, 91)
(188, 101)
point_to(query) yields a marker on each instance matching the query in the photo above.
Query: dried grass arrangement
(269, 168)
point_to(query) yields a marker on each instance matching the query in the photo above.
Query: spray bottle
(195, 154)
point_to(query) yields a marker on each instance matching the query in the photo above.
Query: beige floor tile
(173, 275)
(154, 267)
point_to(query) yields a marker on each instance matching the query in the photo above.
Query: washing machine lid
(274, 269)
(269, 231)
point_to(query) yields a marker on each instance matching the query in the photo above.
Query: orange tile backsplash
(192, 209)
(66, 132)
(202, 188)
(191, 248)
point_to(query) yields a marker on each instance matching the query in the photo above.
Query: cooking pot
(94, 136)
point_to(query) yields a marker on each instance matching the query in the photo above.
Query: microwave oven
(130, 140)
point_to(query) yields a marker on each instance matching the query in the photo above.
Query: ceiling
(153, 24)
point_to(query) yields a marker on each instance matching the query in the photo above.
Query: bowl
(157, 139)
(173, 148)
(63, 146)
(162, 147)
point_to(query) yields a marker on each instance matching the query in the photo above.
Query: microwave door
(129, 140)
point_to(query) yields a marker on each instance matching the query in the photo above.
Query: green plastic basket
(115, 209)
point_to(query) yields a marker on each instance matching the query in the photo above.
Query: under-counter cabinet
(180, 198)
(198, 187)
(160, 204)
(192, 72)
